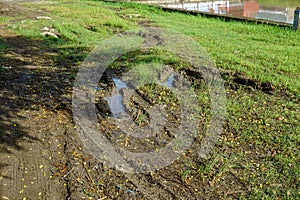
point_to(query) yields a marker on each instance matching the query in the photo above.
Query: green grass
(259, 148)
(271, 129)
(4, 19)
(81, 26)
(262, 52)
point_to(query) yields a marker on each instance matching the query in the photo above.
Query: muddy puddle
(139, 118)
(115, 101)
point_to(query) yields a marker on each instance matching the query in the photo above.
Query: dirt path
(27, 125)
(32, 132)
(26, 171)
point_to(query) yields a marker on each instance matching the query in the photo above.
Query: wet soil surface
(41, 155)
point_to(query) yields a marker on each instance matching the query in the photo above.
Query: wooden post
(296, 19)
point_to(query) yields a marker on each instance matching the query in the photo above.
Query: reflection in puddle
(119, 84)
(169, 82)
(115, 105)
(115, 101)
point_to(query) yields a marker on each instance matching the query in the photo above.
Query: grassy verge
(258, 154)
(262, 52)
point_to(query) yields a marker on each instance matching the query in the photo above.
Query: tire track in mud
(157, 186)
(26, 174)
(150, 190)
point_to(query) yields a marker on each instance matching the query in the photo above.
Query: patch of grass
(265, 129)
(262, 52)
(79, 27)
(5, 19)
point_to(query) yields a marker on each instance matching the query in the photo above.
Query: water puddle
(169, 82)
(119, 84)
(115, 101)
(115, 105)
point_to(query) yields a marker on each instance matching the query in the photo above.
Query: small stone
(134, 15)
(45, 29)
(49, 34)
(43, 17)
